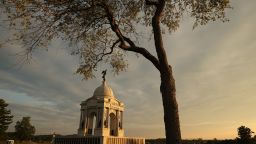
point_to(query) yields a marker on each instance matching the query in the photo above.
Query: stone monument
(101, 120)
(102, 114)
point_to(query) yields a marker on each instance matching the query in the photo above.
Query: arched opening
(92, 124)
(112, 125)
(82, 124)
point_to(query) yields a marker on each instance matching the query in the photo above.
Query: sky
(214, 68)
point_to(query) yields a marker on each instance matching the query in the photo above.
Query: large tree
(244, 135)
(24, 130)
(5, 118)
(104, 30)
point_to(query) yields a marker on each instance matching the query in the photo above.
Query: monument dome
(104, 90)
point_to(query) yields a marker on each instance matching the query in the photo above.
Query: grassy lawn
(26, 142)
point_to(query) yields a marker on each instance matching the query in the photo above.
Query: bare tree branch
(105, 54)
(124, 40)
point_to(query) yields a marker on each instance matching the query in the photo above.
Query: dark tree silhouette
(24, 130)
(244, 135)
(5, 118)
(103, 30)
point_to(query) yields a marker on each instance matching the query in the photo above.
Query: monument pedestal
(98, 140)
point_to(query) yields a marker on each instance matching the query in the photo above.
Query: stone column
(80, 123)
(85, 120)
(107, 119)
(117, 121)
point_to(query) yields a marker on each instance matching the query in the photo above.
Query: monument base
(98, 140)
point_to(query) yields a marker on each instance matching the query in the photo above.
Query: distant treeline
(200, 141)
(41, 138)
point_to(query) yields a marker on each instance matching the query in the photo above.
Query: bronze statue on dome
(104, 74)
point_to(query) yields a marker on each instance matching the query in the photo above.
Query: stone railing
(125, 140)
(77, 140)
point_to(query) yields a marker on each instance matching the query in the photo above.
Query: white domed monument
(101, 114)
(101, 120)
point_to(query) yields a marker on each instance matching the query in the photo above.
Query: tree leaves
(5, 117)
(24, 130)
(87, 27)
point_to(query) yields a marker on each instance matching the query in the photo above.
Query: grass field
(26, 142)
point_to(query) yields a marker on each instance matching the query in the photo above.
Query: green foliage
(24, 130)
(99, 29)
(5, 118)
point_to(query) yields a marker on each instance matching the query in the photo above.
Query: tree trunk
(171, 115)
(168, 90)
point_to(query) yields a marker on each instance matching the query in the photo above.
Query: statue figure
(104, 74)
